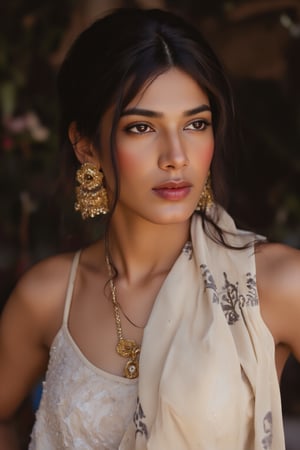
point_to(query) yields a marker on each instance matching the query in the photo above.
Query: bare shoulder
(40, 292)
(278, 282)
(49, 273)
(29, 322)
(278, 267)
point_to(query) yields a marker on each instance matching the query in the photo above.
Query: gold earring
(206, 199)
(91, 195)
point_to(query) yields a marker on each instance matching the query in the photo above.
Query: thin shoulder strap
(70, 287)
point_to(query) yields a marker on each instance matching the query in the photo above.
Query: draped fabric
(207, 370)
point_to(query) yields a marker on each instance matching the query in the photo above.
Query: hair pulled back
(111, 61)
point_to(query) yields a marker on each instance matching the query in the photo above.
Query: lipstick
(173, 190)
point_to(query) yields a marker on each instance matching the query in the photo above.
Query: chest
(96, 326)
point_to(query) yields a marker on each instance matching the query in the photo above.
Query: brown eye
(139, 128)
(142, 128)
(197, 125)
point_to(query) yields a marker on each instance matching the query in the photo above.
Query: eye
(197, 125)
(139, 128)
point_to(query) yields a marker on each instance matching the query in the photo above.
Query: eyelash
(130, 128)
(148, 129)
(204, 124)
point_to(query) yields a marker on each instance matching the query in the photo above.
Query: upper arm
(278, 280)
(31, 315)
(22, 356)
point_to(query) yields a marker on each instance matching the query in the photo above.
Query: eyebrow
(150, 113)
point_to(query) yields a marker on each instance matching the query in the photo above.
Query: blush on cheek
(128, 162)
(205, 156)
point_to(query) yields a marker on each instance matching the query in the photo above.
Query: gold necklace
(127, 348)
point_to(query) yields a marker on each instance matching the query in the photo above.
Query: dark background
(259, 44)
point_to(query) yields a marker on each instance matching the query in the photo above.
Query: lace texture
(82, 407)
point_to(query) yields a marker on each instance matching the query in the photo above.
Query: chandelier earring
(91, 195)
(206, 199)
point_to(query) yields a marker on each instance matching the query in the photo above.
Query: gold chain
(127, 348)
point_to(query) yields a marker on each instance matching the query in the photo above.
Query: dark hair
(113, 59)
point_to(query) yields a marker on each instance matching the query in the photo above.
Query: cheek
(126, 161)
(130, 161)
(206, 154)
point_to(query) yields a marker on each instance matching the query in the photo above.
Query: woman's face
(165, 144)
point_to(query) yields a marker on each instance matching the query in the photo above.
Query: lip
(173, 189)
(173, 184)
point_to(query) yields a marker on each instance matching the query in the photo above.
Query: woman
(156, 336)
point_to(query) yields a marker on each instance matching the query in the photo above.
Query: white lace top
(82, 406)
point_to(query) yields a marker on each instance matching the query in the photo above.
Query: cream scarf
(207, 371)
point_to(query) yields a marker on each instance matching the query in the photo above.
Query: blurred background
(259, 44)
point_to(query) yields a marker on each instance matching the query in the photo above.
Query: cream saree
(207, 371)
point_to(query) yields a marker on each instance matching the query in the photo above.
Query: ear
(83, 147)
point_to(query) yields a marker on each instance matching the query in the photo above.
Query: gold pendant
(126, 347)
(131, 370)
(129, 349)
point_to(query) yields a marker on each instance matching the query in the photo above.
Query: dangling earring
(91, 195)
(206, 199)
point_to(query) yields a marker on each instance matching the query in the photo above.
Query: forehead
(172, 89)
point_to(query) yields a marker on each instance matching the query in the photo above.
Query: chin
(173, 217)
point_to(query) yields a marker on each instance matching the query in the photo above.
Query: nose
(173, 154)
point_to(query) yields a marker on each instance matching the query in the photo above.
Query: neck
(139, 248)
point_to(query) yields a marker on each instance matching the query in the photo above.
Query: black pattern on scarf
(267, 424)
(229, 296)
(141, 427)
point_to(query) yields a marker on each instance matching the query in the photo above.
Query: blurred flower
(15, 125)
(292, 27)
(40, 134)
(32, 120)
(28, 122)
